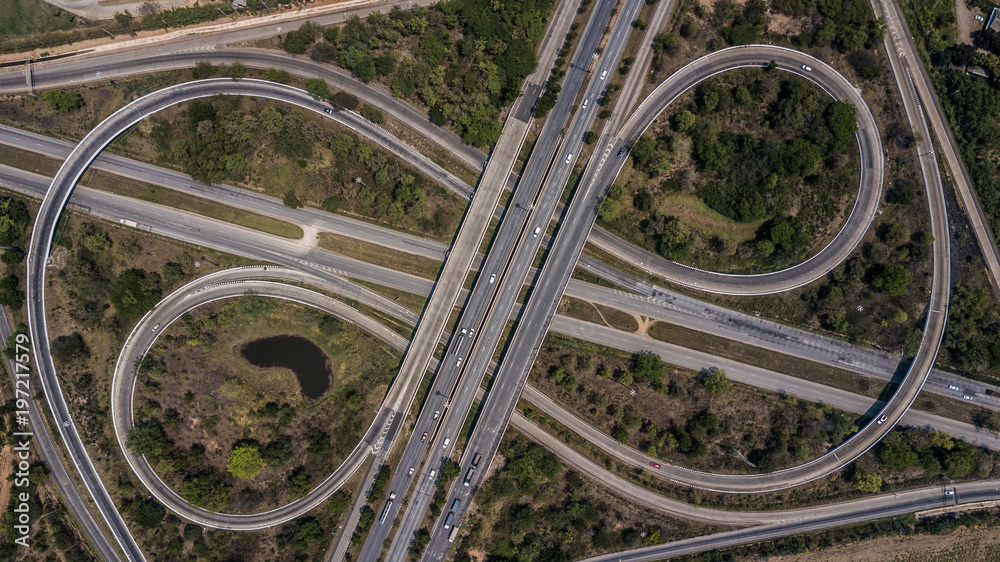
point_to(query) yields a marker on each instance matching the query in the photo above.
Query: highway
(272, 281)
(46, 447)
(902, 53)
(911, 385)
(879, 507)
(561, 260)
(493, 416)
(509, 258)
(645, 299)
(409, 469)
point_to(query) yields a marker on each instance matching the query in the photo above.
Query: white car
(807, 68)
(604, 75)
(569, 158)
(979, 18)
(952, 387)
(967, 397)
(493, 278)
(882, 419)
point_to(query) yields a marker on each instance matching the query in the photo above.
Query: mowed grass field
(25, 17)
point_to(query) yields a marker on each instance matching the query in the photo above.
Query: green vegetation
(762, 197)
(195, 388)
(674, 414)
(62, 101)
(967, 534)
(302, 159)
(135, 292)
(463, 60)
(972, 107)
(14, 220)
(534, 508)
(245, 461)
(20, 18)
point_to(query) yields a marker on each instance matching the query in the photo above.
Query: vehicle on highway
(446, 441)
(537, 230)
(424, 438)
(621, 151)
(807, 68)
(385, 511)
(454, 533)
(604, 75)
(654, 465)
(472, 332)
(156, 327)
(465, 331)
(455, 504)
(967, 397)
(468, 476)
(569, 158)
(882, 420)
(327, 110)
(949, 492)
(952, 387)
(493, 278)
(459, 362)
(410, 473)
(476, 459)
(437, 413)
(449, 519)
(432, 474)
(585, 104)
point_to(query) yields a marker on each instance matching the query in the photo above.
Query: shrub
(245, 461)
(62, 101)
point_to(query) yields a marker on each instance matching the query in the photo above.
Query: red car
(654, 465)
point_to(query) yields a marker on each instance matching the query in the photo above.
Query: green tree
(590, 137)
(649, 367)
(372, 113)
(245, 461)
(14, 218)
(318, 88)
(683, 121)
(892, 279)
(150, 514)
(68, 349)
(62, 101)
(291, 200)
(299, 484)
(135, 292)
(716, 382)
(842, 120)
(867, 481)
(146, 438)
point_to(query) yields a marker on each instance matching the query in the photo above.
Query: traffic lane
(755, 534)
(50, 454)
(495, 412)
(236, 197)
(591, 293)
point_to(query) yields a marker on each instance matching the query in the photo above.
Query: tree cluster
(464, 57)
(61, 100)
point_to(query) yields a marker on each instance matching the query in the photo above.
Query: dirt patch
(788, 25)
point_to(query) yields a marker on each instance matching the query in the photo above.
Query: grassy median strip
(809, 370)
(118, 185)
(197, 205)
(374, 253)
